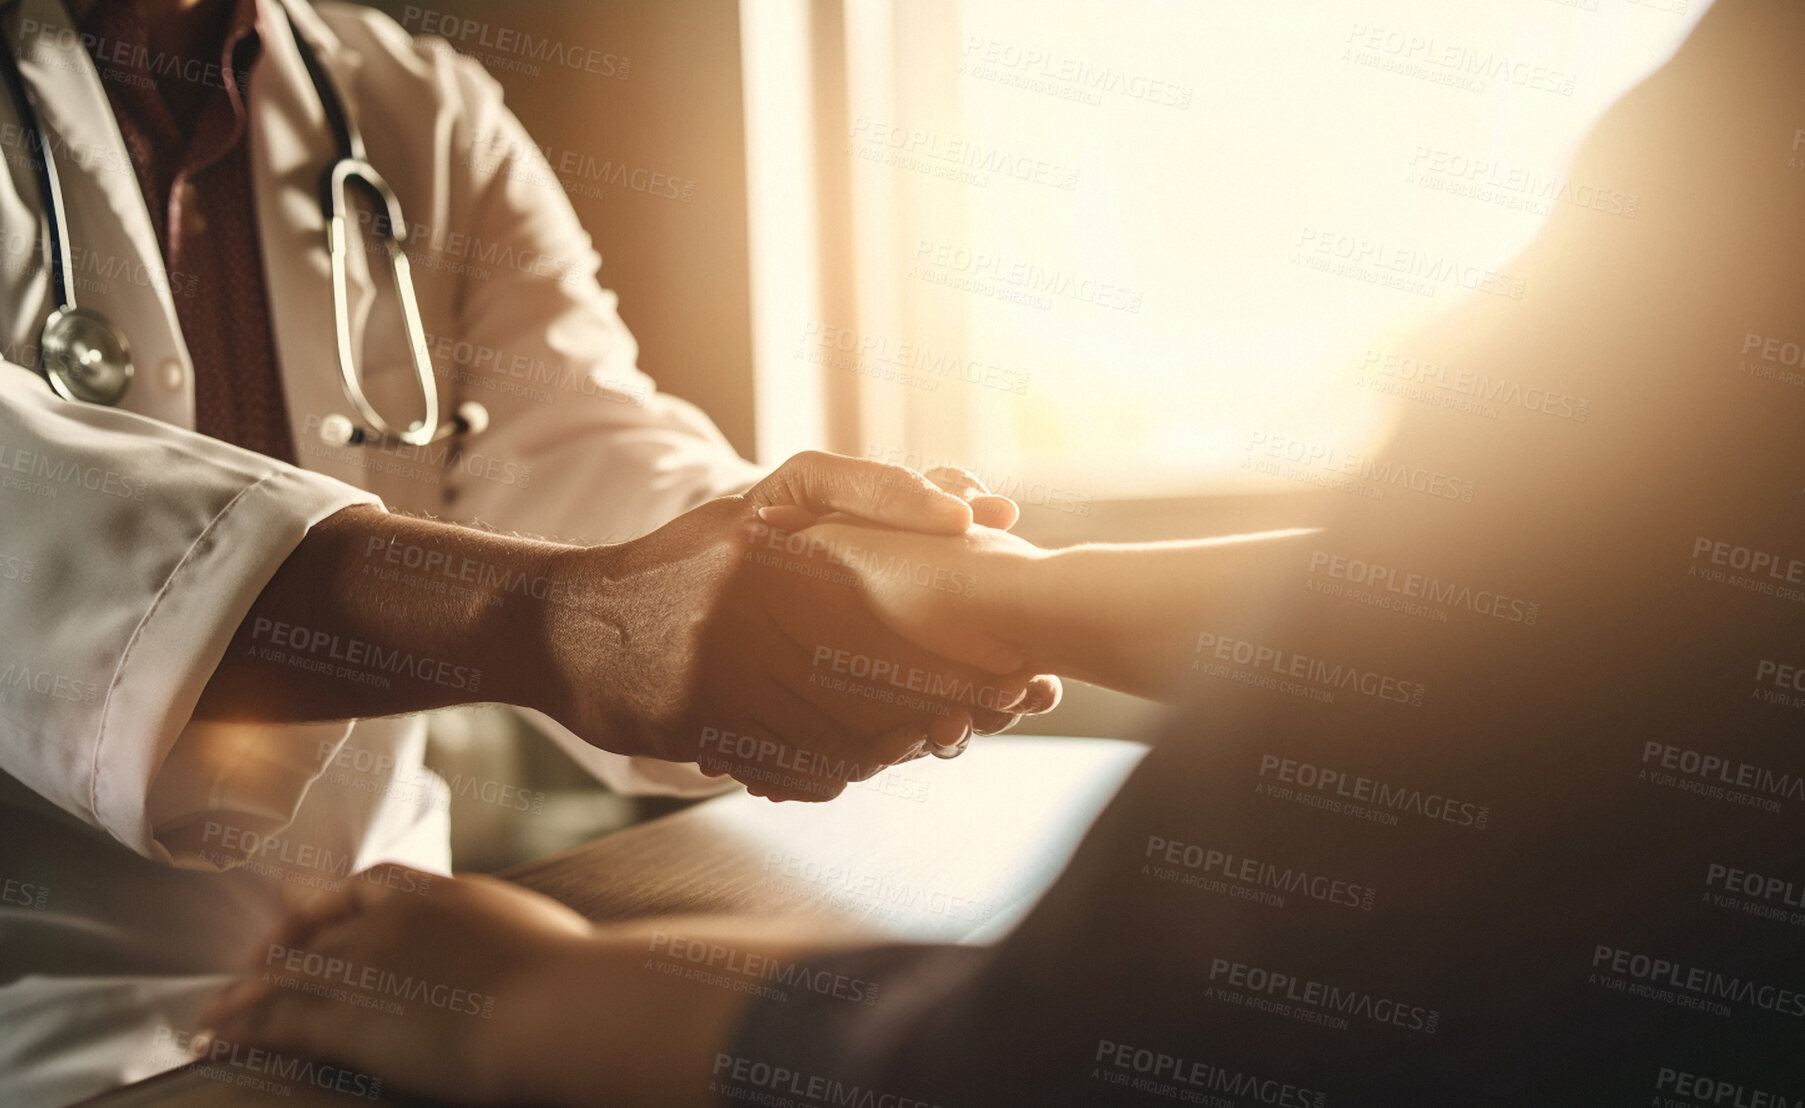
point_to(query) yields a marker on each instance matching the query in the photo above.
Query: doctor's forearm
(376, 614)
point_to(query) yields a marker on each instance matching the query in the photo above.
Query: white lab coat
(131, 547)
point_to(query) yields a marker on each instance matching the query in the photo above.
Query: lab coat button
(172, 374)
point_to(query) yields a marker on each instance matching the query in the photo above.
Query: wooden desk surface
(944, 851)
(940, 851)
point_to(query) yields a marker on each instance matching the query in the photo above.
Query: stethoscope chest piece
(85, 356)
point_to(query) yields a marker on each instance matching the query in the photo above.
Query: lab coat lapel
(119, 267)
(291, 148)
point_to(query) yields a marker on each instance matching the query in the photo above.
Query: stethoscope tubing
(350, 168)
(50, 188)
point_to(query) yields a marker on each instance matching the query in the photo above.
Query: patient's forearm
(1127, 616)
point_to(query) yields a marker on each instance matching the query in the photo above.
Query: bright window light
(1088, 238)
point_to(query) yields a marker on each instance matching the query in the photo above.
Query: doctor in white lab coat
(131, 546)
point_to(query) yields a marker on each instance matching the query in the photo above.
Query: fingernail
(957, 748)
(202, 1040)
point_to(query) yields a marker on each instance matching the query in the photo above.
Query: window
(1102, 246)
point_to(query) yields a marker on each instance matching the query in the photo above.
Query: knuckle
(899, 476)
(893, 484)
(965, 478)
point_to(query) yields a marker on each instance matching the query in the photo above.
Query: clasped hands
(840, 617)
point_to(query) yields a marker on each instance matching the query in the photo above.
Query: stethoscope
(84, 356)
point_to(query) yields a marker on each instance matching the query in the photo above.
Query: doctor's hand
(714, 639)
(489, 954)
(534, 1004)
(723, 640)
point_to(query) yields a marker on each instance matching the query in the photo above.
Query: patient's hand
(444, 993)
(1122, 616)
(965, 597)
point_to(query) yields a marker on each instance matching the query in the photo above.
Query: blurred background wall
(647, 134)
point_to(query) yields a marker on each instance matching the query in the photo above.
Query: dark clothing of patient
(1575, 875)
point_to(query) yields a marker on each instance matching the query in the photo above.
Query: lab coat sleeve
(598, 454)
(130, 551)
